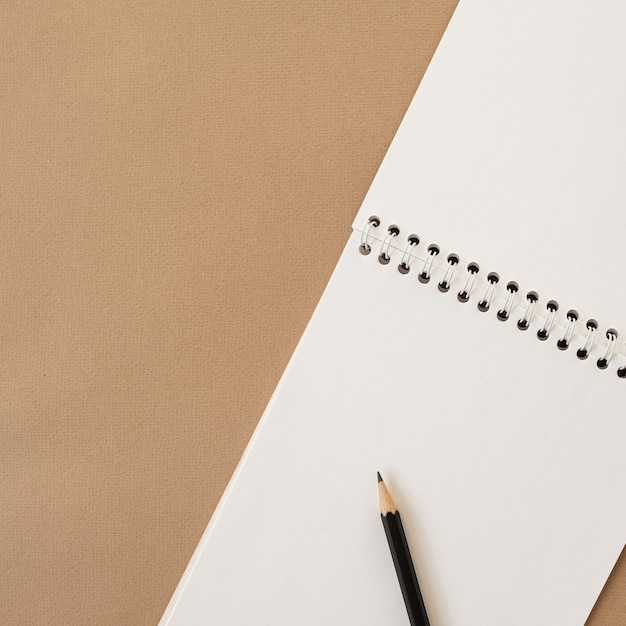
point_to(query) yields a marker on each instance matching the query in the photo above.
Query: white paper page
(503, 459)
(513, 151)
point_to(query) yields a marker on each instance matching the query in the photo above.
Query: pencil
(401, 558)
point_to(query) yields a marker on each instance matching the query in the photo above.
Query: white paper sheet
(505, 455)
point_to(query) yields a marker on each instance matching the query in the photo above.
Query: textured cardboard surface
(178, 180)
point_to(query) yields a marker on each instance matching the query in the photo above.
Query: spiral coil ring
(424, 275)
(531, 299)
(444, 283)
(485, 303)
(372, 222)
(464, 294)
(405, 264)
(603, 362)
(583, 353)
(544, 333)
(383, 257)
(503, 314)
(563, 343)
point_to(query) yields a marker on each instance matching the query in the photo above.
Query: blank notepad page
(495, 415)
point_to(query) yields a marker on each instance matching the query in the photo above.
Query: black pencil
(401, 558)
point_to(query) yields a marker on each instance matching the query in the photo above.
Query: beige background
(177, 182)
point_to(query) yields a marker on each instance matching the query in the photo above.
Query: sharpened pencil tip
(386, 503)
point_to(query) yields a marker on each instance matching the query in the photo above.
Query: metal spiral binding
(492, 280)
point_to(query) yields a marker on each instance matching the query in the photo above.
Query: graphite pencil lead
(380, 478)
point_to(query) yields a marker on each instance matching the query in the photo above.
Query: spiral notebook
(469, 346)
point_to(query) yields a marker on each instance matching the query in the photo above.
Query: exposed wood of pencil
(401, 558)
(387, 505)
